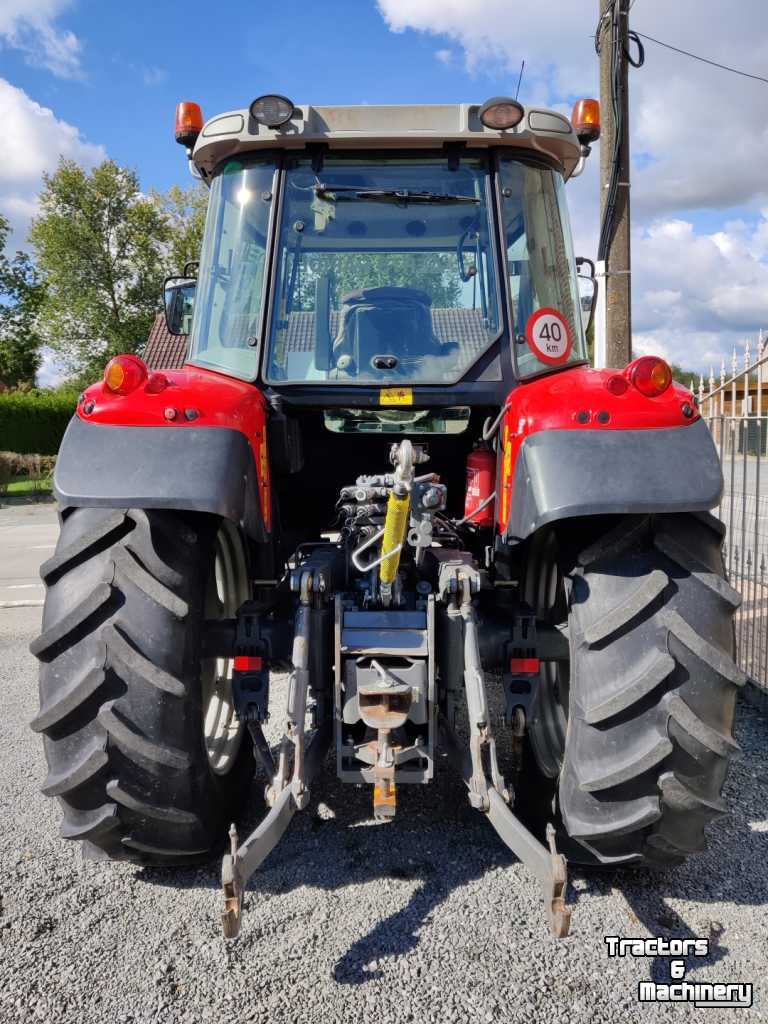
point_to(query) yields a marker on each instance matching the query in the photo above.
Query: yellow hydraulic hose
(394, 534)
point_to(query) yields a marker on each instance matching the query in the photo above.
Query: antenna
(522, 69)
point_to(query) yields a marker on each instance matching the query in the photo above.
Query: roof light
(501, 113)
(650, 375)
(189, 123)
(586, 121)
(272, 110)
(124, 374)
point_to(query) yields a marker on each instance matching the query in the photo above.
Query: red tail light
(617, 384)
(156, 383)
(650, 375)
(124, 374)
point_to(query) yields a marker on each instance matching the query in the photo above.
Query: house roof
(163, 350)
(166, 351)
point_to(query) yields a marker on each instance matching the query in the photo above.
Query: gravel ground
(427, 919)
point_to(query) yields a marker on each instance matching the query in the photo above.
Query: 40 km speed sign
(548, 335)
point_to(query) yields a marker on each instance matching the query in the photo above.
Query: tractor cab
(386, 248)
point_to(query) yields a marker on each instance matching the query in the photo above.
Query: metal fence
(736, 410)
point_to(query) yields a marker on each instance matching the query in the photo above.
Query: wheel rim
(226, 589)
(545, 593)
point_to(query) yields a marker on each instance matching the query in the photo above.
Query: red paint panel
(246, 664)
(211, 399)
(579, 399)
(524, 666)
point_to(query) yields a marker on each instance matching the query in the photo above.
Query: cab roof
(427, 126)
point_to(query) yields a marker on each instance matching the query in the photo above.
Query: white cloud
(696, 295)
(39, 139)
(709, 145)
(702, 133)
(721, 282)
(699, 141)
(444, 56)
(52, 370)
(28, 25)
(497, 34)
(154, 76)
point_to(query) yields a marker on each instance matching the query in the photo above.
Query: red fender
(579, 399)
(194, 397)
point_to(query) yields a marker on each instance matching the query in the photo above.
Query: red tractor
(388, 468)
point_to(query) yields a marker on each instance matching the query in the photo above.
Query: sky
(94, 78)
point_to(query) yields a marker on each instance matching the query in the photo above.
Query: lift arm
(490, 794)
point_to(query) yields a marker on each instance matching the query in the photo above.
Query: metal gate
(736, 410)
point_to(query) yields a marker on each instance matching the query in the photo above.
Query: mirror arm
(582, 260)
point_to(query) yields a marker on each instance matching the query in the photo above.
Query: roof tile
(166, 351)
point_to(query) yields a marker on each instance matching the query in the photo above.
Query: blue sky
(136, 66)
(89, 78)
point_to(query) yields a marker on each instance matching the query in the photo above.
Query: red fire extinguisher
(481, 472)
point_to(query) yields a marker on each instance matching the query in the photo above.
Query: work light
(272, 111)
(501, 113)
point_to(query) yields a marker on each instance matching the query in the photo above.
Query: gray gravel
(428, 919)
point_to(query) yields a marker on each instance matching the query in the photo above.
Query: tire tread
(120, 711)
(647, 752)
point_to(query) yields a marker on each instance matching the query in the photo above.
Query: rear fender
(199, 445)
(569, 447)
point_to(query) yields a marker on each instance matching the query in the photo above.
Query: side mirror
(179, 298)
(587, 290)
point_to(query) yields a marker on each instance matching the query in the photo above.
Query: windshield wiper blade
(388, 195)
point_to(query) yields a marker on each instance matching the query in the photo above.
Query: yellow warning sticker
(506, 476)
(396, 396)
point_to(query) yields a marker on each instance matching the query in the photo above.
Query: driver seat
(383, 322)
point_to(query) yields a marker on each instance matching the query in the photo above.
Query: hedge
(37, 469)
(33, 422)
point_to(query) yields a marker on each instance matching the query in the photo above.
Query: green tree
(100, 246)
(20, 297)
(185, 211)
(683, 376)
(434, 273)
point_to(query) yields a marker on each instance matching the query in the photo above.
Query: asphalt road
(27, 537)
(427, 919)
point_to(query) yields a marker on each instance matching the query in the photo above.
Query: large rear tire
(143, 749)
(649, 697)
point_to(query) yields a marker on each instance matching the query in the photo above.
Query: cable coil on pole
(612, 17)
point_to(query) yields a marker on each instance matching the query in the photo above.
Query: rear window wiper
(387, 195)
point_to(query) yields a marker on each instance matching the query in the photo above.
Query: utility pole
(614, 47)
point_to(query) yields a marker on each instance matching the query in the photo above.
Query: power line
(704, 60)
